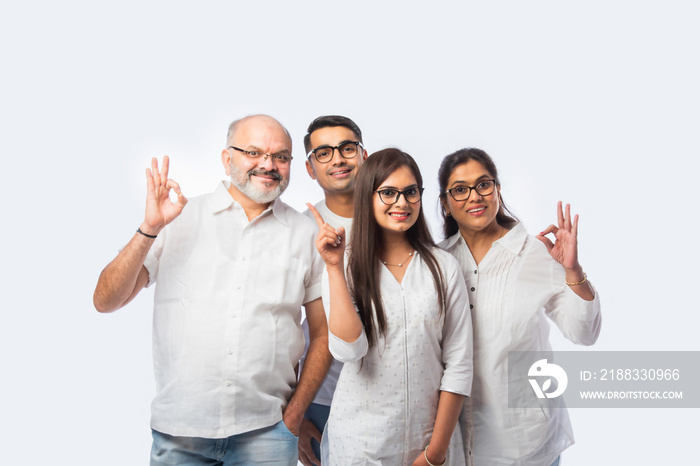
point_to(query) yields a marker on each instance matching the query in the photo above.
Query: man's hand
(291, 422)
(307, 432)
(160, 210)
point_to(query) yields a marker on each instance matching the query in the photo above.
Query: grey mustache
(262, 171)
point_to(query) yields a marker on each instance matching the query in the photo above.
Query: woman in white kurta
(407, 360)
(516, 284)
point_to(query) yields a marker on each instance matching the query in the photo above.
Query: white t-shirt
(324, 396)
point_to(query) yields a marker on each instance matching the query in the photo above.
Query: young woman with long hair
(400, 321)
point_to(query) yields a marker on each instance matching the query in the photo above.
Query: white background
(595, 103)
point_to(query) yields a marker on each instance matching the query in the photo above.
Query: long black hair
(367, 245)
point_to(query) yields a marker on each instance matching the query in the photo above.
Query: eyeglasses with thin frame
(462, 192)
(390, 196)
(347, 150)
(282, 159)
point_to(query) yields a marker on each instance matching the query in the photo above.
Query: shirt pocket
(278, 284)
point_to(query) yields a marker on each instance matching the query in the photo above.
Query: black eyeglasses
(347, 149)
(390, 196)
(282, 159)
(462, 191)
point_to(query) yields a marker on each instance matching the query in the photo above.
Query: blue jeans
(274, 445)
(556, 461)
(318, 414)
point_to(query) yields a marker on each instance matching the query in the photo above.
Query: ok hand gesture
(160, 210)
(329, 242)
(565, 249)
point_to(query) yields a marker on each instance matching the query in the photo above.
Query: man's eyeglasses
(462, 191)
(390, 196)
(347, 150)
(282, 159)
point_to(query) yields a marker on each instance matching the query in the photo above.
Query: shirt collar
(452, 240)
(221, 200)
(512, 241)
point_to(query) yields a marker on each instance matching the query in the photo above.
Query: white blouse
(513, 290)
(385, 403)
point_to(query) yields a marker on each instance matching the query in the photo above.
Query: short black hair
(326, 121)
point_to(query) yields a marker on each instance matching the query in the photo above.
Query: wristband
(138, 230)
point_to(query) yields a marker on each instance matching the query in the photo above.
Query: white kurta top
(385, 404)
(514, 290)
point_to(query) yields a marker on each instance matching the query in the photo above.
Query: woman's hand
(420, 459)
(329, 242)
(565, 248)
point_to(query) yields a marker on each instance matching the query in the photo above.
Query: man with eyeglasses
(334, 154)
(233, 268)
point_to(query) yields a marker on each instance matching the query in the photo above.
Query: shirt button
(473, 289)
(230, 351)
(471, 306)
(233, 316)
(476, 271)
(243, 259)
(238, 287)
(228, 383)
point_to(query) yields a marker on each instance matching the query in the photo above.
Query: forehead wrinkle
(262, 128)
(259, 143)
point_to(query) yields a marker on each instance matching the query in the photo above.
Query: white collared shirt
(227, 312)
(513, 290)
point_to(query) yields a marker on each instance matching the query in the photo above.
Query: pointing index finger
(317, 215)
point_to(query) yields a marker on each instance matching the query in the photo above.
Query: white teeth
(398, 215)
(476, 210)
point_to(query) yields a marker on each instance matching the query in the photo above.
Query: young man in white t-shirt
(334, 153)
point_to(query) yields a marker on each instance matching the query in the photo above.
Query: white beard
(241, 180)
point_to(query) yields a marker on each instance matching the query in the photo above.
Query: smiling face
(400, 216)
(476, 213)
(337, 175)
(260, 179)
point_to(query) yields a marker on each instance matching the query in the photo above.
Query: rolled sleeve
(152, 261)
(345, 351)
(313, 283)
(457, 351)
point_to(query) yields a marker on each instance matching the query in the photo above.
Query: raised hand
(329, 242)
(565, 248)
(160, 210)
